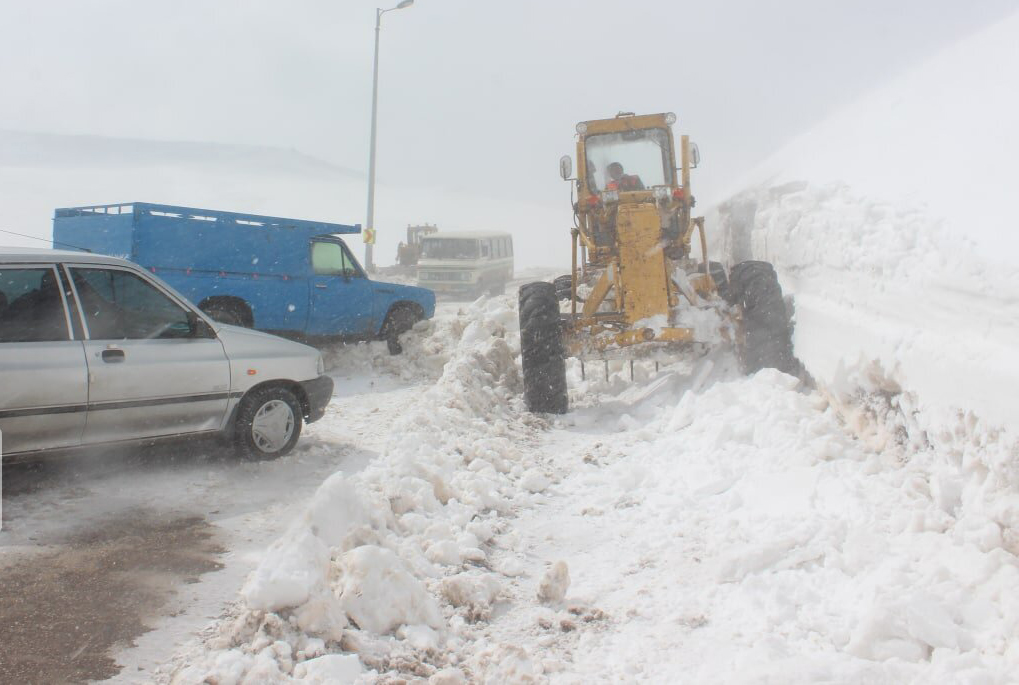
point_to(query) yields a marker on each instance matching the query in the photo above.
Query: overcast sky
(476, 96)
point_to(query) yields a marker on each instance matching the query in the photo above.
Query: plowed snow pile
(893, 225)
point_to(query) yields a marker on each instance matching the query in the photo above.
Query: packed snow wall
(891, 226)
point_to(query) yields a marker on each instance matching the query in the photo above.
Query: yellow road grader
(637, 288)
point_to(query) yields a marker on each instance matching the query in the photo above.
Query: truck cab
(291, 277)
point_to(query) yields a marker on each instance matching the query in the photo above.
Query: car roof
(22, 255)
(467, 234)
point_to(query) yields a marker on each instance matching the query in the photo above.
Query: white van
(466, 263)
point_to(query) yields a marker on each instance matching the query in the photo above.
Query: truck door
(150, 374)
(44, 387)
(342, 296)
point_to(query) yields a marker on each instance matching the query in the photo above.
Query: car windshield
(642, 153)
(449, 248)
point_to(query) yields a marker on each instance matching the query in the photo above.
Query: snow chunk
(553, 586)
(379, 594)
(288, 574)
(474, 591)
(332, 669)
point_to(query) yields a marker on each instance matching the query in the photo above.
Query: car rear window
(31, 306)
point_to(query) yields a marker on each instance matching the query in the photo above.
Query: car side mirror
(199, 327)
(566, 167)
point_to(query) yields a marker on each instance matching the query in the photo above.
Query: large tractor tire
(717, 272)
(564, 287)
(764, 337)
(541, 350)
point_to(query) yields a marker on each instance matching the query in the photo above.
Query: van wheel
(398, 322)
(268, 424)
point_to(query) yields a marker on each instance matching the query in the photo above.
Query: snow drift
(892, 225)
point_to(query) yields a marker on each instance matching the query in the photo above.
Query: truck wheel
(399, 321)
(541, 349)
(268, 424)
(229, 313)
(764, 337)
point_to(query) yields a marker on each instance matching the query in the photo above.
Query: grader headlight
(610, 196)
(662, 193)
(582, 128)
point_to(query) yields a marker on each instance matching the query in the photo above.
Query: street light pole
(370, 222)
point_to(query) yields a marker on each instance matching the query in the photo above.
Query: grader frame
(628, 243)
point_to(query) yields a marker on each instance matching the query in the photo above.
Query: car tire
(542, 356)
(764, 334)
(398, 322)
(268, 424)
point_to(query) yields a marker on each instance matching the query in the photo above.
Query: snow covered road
(711, 528)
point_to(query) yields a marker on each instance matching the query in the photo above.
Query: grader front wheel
(541, 349)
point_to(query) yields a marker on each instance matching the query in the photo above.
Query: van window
(510, 241)
(449, 248)
(500, 247)
(484, 248)
(31, 306)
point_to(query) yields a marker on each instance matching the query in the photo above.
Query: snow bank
(739, 534)
(892, 226)
(385, 565)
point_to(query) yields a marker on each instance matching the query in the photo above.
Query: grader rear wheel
(541, 349)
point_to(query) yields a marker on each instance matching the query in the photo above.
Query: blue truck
(291, 277)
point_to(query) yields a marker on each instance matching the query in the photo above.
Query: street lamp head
(404, 3)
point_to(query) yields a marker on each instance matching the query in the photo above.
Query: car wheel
(268, 424)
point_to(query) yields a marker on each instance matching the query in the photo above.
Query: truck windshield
(449, 248)
(643, 155)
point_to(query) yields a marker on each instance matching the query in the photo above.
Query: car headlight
(320, 367)
(662, 192)
(610, 196)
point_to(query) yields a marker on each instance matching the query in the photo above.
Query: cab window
(332, 259)
(31, 306)
(120, 305)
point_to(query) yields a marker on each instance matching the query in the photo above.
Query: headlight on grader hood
(610, 196)
(662, 193)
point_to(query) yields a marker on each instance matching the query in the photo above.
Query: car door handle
(321, 285)
(113, 355)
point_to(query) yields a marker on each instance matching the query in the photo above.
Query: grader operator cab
(637, 287)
